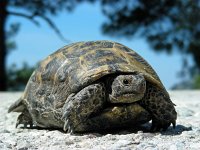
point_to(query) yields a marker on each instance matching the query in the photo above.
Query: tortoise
(94, 86)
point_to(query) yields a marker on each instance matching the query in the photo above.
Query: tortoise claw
(70, 130)
(67, 127)
(174, 124)
(17, 123)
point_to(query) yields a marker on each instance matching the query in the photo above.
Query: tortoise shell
(77, 65)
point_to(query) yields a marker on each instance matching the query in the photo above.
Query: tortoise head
(127, 88)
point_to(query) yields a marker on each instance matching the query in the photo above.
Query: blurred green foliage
(10, 35)
(18, 77)
(197, 82)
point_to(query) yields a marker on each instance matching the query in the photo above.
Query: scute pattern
(76, 64)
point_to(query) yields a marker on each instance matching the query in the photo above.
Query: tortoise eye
(125, 82)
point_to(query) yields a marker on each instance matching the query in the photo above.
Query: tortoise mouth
(126, 98)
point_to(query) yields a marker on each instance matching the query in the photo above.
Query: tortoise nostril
(125, 82)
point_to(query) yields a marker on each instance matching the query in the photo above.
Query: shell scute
(97, 44)
(50, 69)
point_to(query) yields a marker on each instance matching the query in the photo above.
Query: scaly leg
(25, 119)
(82, 106)
(160, 106)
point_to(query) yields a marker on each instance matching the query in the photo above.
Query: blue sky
(83, 24)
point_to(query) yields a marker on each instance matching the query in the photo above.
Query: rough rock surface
(185, 136)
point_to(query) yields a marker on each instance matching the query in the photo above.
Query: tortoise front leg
(80, 107)
(160, 107)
